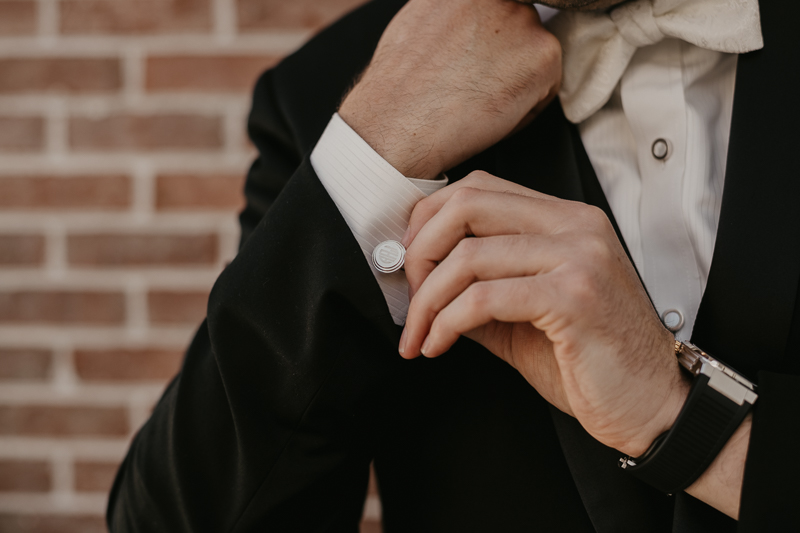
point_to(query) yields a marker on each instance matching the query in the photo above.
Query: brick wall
(122, 157)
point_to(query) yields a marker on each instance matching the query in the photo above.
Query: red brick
(187, 191)
(127, 365)
(27, 523)
(170, 307)
(135, 16)
(17, 17)
(25, 364)
(206, 73)
(145, 132)
(266, 14)
(24, 476)
(62, 307)
(73, 192)
(21, 134)
(17, 250)
(61, 421)
(59, 74)
(141, 250)
(91, 476)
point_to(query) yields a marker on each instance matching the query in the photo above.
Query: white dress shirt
(678, 97)
(374, 198)
(658, 147)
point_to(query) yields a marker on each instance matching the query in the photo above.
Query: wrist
(719, 400)
(668, 405)
(663, 420)
(406, 144)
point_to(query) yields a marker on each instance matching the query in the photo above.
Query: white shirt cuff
(373, 197)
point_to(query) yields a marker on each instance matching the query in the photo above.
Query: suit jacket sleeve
(770, 491)
(271, 423)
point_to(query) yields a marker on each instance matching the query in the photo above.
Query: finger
(426, 208)
(480, 213)
(506, 300)
(478, 259)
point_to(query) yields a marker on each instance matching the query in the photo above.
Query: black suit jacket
(293, 385)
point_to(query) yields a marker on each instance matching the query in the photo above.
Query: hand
(450, 79)
(544, 284)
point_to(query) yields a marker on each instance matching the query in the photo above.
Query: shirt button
(660, 149)
(388, 257)
(673, 319)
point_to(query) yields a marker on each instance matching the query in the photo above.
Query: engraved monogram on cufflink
(388, 257)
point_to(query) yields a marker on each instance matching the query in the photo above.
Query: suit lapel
(746, 311)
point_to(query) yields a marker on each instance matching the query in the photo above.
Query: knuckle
(593, 217)
(550, 47)
(465, 194)
(594, 248)
(581, 288)
(477, 297)
(463, 197)
(465, 249)
(424, 209)
(477, 178)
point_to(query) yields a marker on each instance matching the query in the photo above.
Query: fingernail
(402, 347)
(406, 235)
(426, 346)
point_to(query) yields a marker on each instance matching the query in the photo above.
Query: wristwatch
(717, 403)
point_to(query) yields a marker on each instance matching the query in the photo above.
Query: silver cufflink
(388, 257)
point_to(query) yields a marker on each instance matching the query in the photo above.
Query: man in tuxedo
(293, 384)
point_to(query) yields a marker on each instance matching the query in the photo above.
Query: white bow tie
(597, 46)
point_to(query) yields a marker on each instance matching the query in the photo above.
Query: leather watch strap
(678, 457)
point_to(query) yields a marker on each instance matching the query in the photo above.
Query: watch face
(693, 358)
